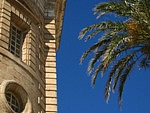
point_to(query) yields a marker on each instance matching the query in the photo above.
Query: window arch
(15, 97)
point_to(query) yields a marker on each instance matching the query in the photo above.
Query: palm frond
(120, 44)
(94, 59)
(123, 79)
(100, 27)
(92, 48)
(123, 62)
(118, 8)
(99, 67)
(108, 84)
(145, 62)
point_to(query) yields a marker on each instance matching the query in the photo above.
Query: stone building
(30, 33)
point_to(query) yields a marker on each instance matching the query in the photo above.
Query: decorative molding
(59, 11)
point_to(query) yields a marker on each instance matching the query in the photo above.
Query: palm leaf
(121, 44)
(123, 79)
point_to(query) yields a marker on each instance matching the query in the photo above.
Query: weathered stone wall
(12, 69)
(29, 70)
(35, 70)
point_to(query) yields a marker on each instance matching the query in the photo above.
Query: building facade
(30, 33)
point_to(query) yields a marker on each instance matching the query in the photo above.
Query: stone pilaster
(5, 16)
(50, 67)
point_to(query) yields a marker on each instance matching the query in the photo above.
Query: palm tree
(124, 44)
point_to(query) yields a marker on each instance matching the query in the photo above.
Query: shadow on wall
(49, 29)
(49, 37)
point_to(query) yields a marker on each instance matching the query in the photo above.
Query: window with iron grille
(49, 9)
(13, 102)
(15, 41)
(48, 12)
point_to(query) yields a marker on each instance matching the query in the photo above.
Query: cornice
(59, 11)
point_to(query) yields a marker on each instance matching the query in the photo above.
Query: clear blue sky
(75, 94)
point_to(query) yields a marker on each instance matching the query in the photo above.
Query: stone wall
(14, 69)
(34, 72)
(28, 70)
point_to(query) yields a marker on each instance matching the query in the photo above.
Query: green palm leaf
(121, 44)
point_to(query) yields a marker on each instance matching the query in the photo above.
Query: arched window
(14, 98)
